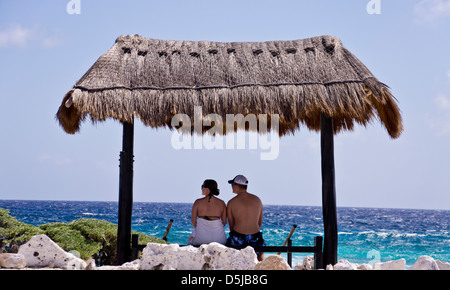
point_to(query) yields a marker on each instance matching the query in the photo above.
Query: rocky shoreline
(40, 252)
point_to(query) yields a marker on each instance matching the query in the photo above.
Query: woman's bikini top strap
(208, 218)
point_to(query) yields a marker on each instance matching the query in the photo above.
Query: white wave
(345, 233)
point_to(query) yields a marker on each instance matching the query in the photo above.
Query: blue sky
(44, 50)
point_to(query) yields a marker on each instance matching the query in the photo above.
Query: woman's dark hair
(212, 186)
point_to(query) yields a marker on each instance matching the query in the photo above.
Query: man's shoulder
(231, 201)
(255, 197)
(249, 197)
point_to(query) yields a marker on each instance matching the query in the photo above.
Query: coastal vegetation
(86, 238)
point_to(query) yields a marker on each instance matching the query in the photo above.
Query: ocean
(366, 235)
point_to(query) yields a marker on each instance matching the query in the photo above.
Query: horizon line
(183, 202)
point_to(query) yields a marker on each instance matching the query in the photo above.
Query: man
(245, 214)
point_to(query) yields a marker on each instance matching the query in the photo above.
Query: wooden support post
(328, 191)
(125, 195)
(167, 230)
(288, 238)
(318, 254)
(134, 247)
(289, 254)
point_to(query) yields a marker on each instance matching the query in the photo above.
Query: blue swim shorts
(240, 240)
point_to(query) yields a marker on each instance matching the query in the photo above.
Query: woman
(209, 216)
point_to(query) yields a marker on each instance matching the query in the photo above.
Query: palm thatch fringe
(154, 80)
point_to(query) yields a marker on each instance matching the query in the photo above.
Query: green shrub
(14, 233)
(91, 238)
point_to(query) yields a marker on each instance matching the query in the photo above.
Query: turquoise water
(366, 235)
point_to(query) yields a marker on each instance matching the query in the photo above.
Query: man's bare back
(245, 212)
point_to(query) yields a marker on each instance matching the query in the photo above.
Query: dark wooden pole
(125, 195)
(328, 191)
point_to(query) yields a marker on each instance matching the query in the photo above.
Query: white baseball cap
(239, 179)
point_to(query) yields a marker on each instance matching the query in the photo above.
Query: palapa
(155, 79)
(315, 81)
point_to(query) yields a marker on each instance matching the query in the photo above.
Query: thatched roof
(155, 79)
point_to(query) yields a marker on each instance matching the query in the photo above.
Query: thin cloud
(431, 10)
(53, 159)
(442, 102)
(15, 36)
(51, 41)
(439, 119)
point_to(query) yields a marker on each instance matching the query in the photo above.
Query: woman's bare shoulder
(199, 201)
(222, 202)
(218, 199)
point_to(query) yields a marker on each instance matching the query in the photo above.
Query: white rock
(157, 256)
(133, 265)
(90, 264)
(425, 263)
(218, 257)
(12, 261)
(107, 267)
(273, 262)
(343, 264)
(329, 267)
(308, 264)
(41, 251)
(365, 267)
(399, 264)
(443, 265)
(213, 256)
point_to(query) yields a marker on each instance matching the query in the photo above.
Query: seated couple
(244, 213)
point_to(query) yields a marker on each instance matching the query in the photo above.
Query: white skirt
(207, 232)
